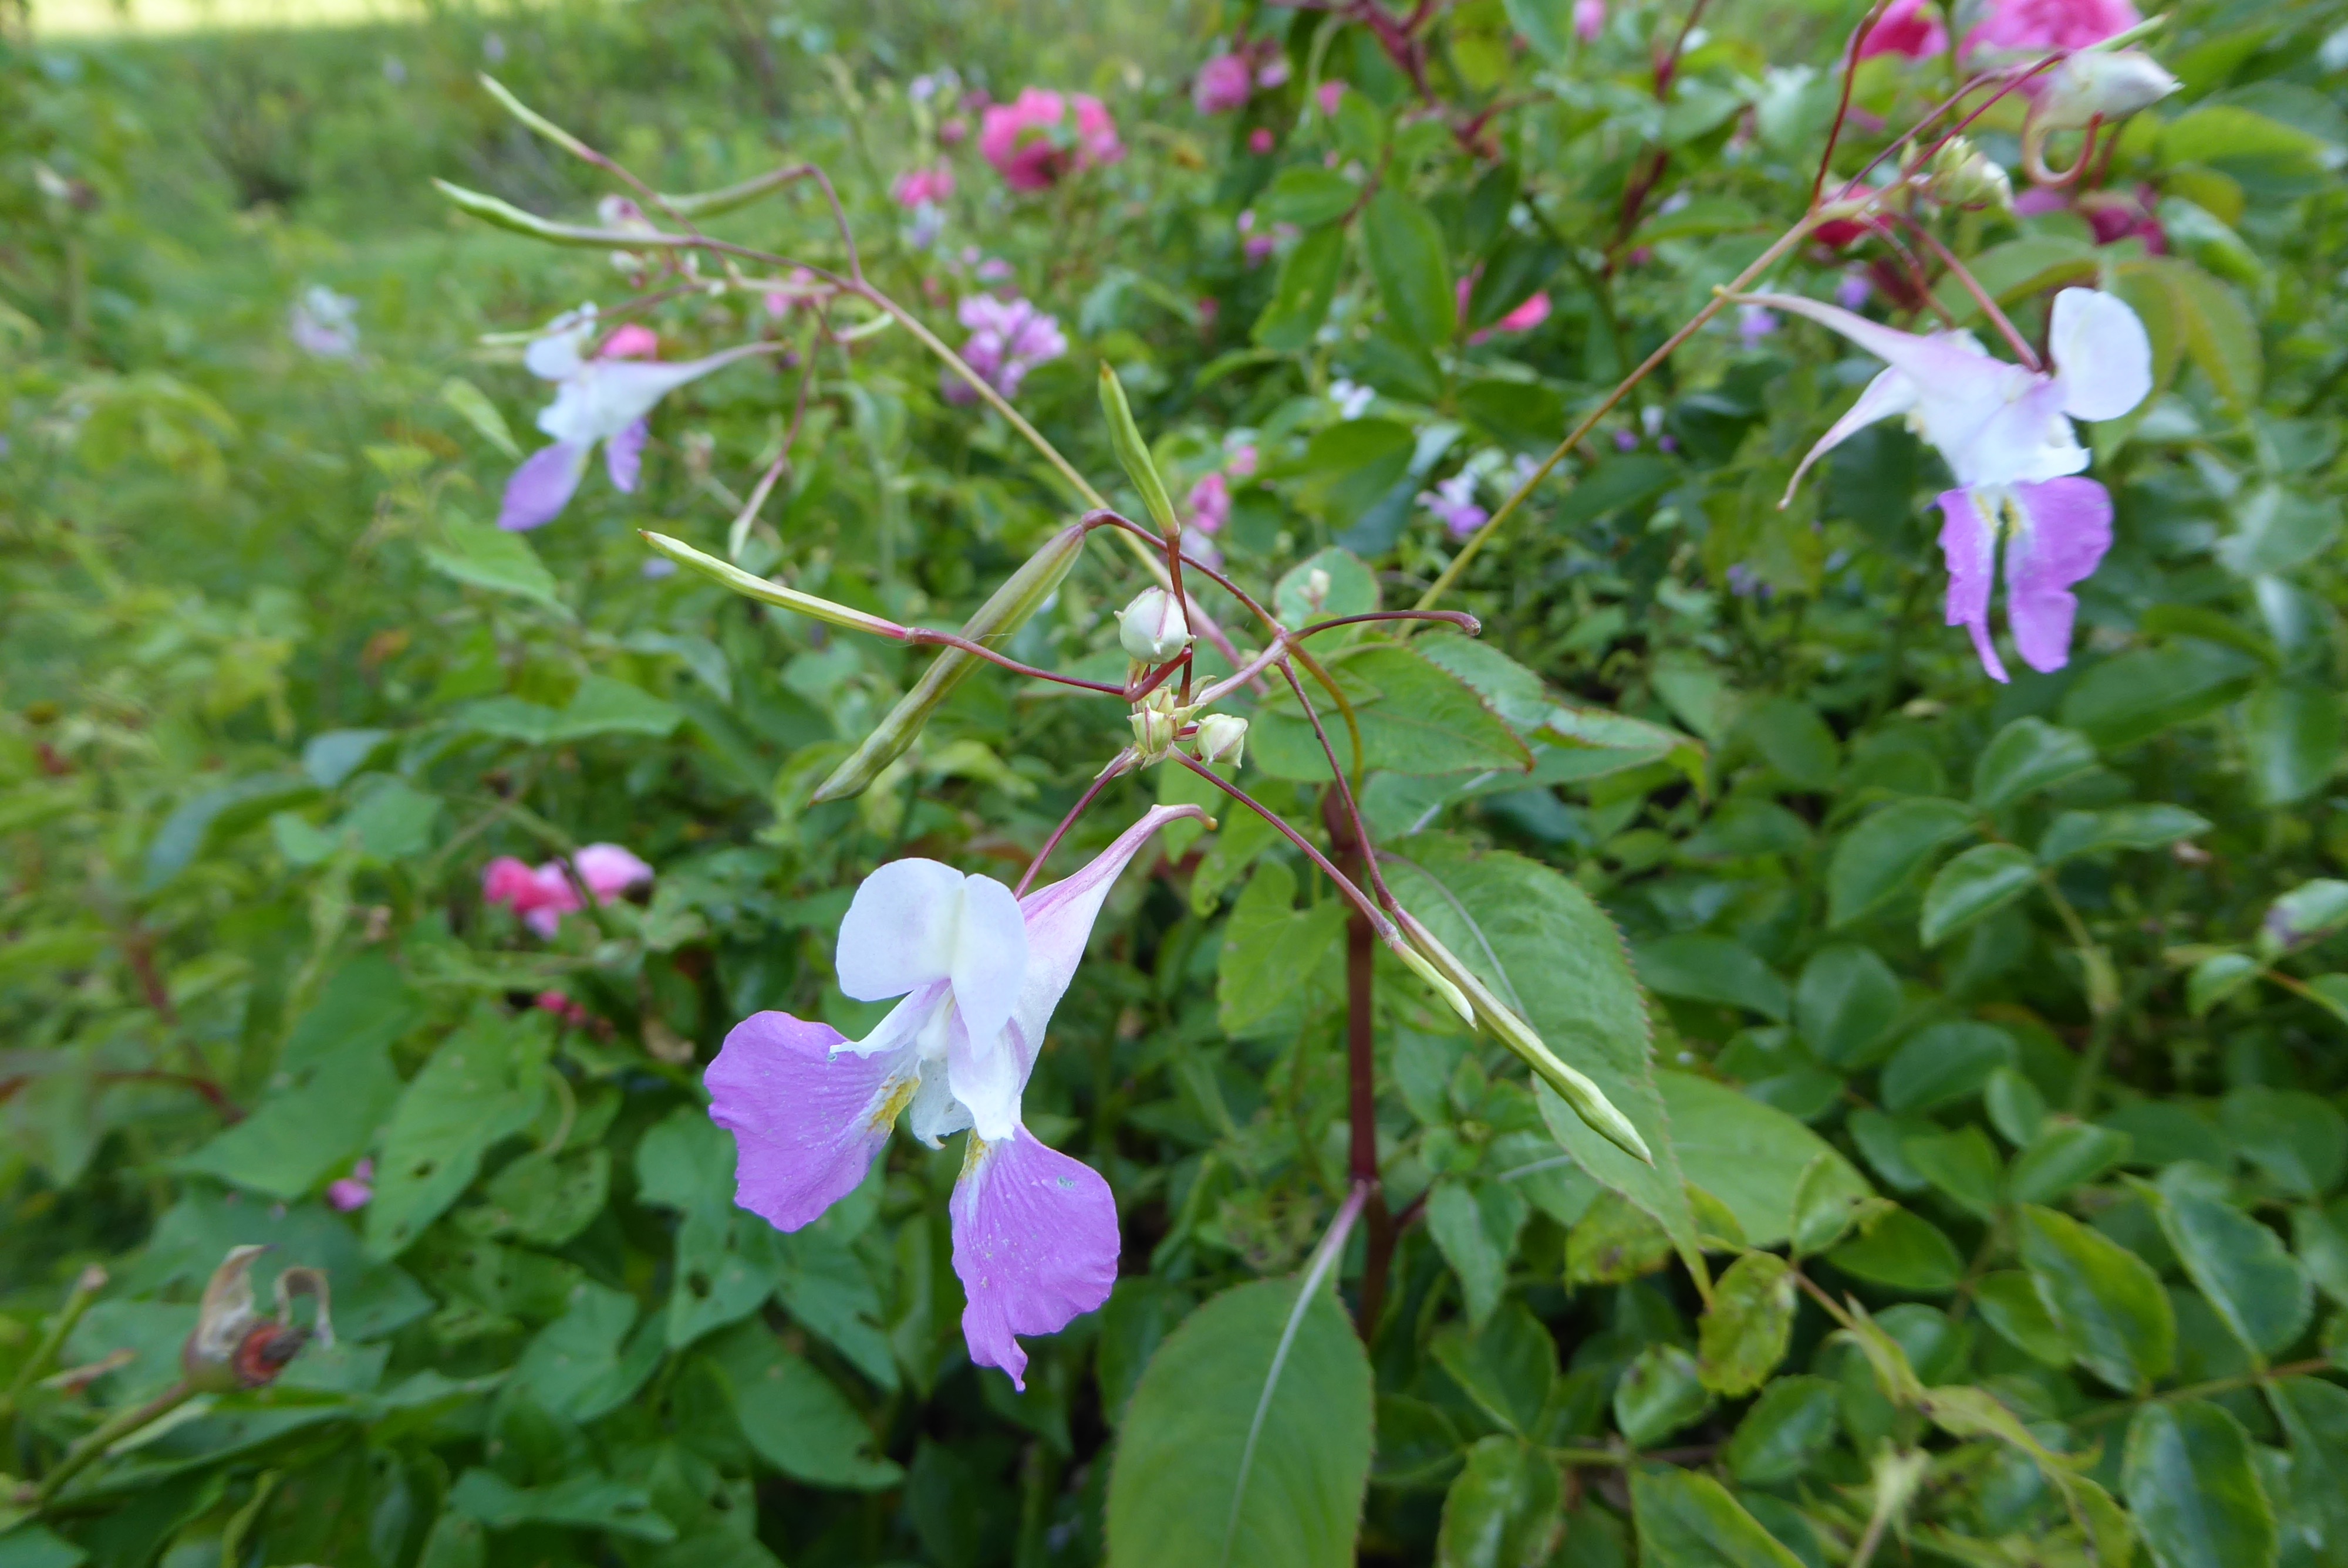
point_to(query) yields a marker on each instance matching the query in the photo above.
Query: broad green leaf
(2240, 1266)
(2220, 333)
(2194, 1492)
(1942, 1064)
(481, 556)
(1830, 1200)
(2216, 978)
(1506, 1367)
(1347, 469)
(2135, 695)
(1546, 24)
(1877, 857)
(1474, 1224)
(1660, 1392)
(2077, 832)
(1794, 1419)
(2314, 1415)
(1332, 583)
(1979, 882)
(1601, 742)
(1746, 1328)
(1308, 196)
(1547, 951)
(1301, 299)
(1903, 1252)
(1404, 251)
(1616, 1240)
(1503, 1510)
(2010, 1305)
(1793, 740)
(2064, 1154)
(796, 1418)
(2308, 913)
(1415, 718)
(483, 1084)
(2277, 530)
(576, 1358)
(1963, 1166)
(2006, 273)
(2106, 1300)
(2321, 1243)
(1248, 1439)
(1710, 969)
(2026, 756)
(34, 1546)
(1753, 1157)
(215, 815)
(1687, 1520)
(1276, 958)
(1846, 1004)
(2295, 731)
(2299, 1141)
(587, 1501)
(473, 405)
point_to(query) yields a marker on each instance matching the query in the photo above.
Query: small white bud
(1156, 722)
(1152, 627)
(1963, 177)
(1222, 738)
(2105, 84)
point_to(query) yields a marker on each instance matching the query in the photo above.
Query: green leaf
(2064, 1154)
(2298, 1140)
(575, 1360)
(1308, 196)
(1248, 1439)
(483, 1084)
(1504, 1510)
(2078, 832)
(473, 405)
(1877, 857)
(1603, 742)
(1846, 1004)
(1474, 1226)
(793, 1417)
(1404, 251)
(1302, 297)
(2308, 913)
(1753, 1157)
(1506, 1367)
(212, 817)
(2276, 530)
(1335, 581)
(1687, 1520)
(1547, 951)
(1747, 1325)
(2216, 978)
(1977, 883)
(2237, 1264)
(1904, 1251)
(2026, 756)
(34, 1546)
(1963, 1166)
(2009, 1303)
(1661, 1392)
(2029, 265)
(2106, 1300)
(1710, 969)
(1614, 1241)
(577, 1502)
(1416, 718)
(1794, 1421)
(1546, 24)
(2295, 731)
(1943, 1064)
(2314, 1413)
(482, 556)
(2190, 1484)
(1794, 741)
(2135, 696)
(1276, 958)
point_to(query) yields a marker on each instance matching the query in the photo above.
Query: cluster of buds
(233, 1346)
(1153, 629)
(1960, 176)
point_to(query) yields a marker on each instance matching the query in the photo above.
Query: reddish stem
(1084, 801)
(1361, 1072)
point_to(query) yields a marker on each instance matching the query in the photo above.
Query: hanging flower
(1034, 141)
(1034, 1232)
(1008, 338)
(1223, 84)
(542, 895)
(2005, 432)
(601, 398)
(324, 324)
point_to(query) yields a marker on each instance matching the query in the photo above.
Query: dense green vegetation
(1781, 1098)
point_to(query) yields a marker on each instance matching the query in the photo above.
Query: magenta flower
(1210, 502)
(934, 185)
(1909, 28)
(1329, 95)
(1589, 19)
(542, 895)
(351, 1192)
(1454, 501)
(1222, 84)
(2035, 26)
(2005, 432)
(1008, 338)
(1033, 140)
(1260, 141)
(603, 398)
(1034, 1232)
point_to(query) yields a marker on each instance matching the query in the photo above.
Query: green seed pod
(1133, 453)
(1023, 593)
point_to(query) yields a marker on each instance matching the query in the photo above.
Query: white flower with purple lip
(1034, 1232)
(597, 398)
(2005, 432)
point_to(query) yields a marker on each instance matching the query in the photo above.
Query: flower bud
(1963, 176)
(1152, 627)
(1155, 722)
(232, 1346)
(2105, 84)
(1222, 738)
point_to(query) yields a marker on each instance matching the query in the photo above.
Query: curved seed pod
(1021, 596)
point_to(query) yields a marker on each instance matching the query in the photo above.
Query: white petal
(935, 1114)
(1888, 394)
(987, 1077)
(2102, 356)
(990, 957)
(559, 355)
(899, 930)
(2021, 442)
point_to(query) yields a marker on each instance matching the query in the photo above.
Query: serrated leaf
(1416, 718)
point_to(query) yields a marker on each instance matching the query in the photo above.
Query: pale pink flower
(631, 340)
(542, 895)
(1454, 501)
(1034, 140)
(934, 185)
(1589, 19)
(324, 324)
(1223, 84)
(351, 1192)
(1241, 464)
(1210, 502)
(1329, 95)
(2034, 26)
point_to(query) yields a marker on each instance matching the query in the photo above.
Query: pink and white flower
(2005, 432)
(1034, 1232)
(603, 397)
(542, 895)
(324, 324)
(1041, 136)
(1589, 19)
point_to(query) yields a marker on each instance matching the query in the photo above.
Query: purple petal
(1969, 543)
(543, 486)
(623, 455)
(2062, 529)
(807, 1118)
(1035, 1242)
(609, 870)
